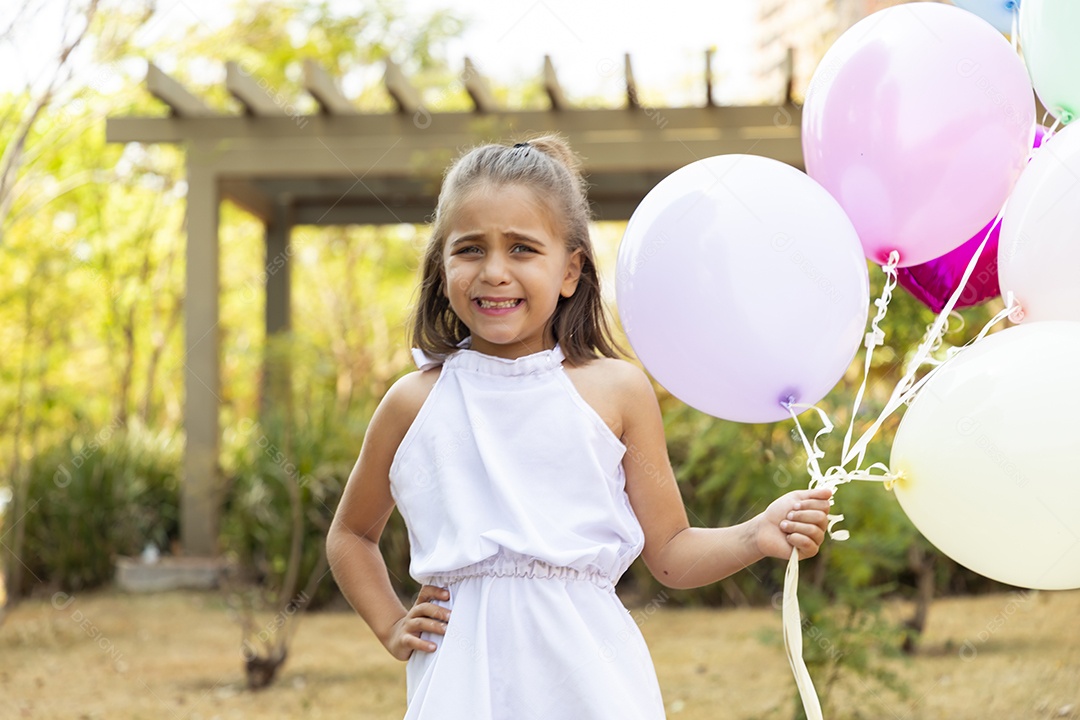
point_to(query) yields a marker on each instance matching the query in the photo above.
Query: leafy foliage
(92, 497)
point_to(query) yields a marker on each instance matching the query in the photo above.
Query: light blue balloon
(998, 13)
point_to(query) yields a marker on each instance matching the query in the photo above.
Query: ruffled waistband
(521, 566)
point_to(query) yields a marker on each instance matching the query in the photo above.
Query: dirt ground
(176, 655)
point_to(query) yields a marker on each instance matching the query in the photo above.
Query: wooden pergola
(343, 166)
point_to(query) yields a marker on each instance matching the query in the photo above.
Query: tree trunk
(922, 563)
(14, 566)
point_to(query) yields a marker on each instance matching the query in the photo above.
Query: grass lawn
(176, 655)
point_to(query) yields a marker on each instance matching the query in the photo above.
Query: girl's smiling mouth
(496, 306)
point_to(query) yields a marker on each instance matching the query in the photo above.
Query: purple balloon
(742, 285)
(934, 282)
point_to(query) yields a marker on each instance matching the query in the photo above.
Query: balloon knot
(874, 338)
(1016, 313)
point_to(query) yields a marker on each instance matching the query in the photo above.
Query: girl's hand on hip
(425, 616)
(797, 519)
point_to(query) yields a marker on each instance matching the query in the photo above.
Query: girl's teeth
(500, 304)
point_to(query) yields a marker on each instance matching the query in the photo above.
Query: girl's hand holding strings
(797, 519)
(425, 616)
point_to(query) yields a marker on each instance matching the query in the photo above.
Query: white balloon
(1039, 249)
(987, 455)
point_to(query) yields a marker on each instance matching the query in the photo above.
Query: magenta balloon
(934, 282)
(741, 284)
(918, 120)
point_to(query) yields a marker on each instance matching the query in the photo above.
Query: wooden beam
(631, 85)
(249, 197)
(325, 90)
(257, 98)
(746, 121)
(180, 101)
(478, 88)
(552, 86)
(399, 87)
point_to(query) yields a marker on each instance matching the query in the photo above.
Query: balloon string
(906, 382)
(792, 619)
(1049, 133)
(875, 337)
(813, 450)
(792, 623)
(836, 475)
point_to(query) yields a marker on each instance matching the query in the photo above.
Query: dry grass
(176, 655)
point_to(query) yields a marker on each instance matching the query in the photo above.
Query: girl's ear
(573, 273)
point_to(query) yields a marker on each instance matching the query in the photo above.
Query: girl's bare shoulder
(616, 389)
(402, 402)
(610, 375)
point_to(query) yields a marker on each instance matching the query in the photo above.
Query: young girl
(530, 467)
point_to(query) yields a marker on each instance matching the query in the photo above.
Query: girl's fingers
(432, 592)
(432, 611)
(812, 517)
(819, 505)
(419, 625)
(807, 548)
(424, 625)
(418, 643)
(805, 530)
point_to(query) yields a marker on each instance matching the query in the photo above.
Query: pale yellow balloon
(989, 453)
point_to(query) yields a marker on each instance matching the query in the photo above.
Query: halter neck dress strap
(471, 359)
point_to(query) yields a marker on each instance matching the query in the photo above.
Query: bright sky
(508, 39)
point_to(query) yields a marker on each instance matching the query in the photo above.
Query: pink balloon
(741, 284)
(918, 120)
(934, 282)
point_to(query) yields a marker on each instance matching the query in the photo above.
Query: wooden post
(200, 494)
(276, 367)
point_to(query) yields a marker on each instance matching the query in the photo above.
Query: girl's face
(505, 264)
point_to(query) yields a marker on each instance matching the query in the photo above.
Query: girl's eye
(467, 250)
(522, 248)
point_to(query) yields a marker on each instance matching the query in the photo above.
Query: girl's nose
(495, 270)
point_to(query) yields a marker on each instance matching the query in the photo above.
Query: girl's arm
(678, 555)
(352, 545)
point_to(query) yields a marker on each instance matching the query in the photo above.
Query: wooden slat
(788, 69)
(709, 102)
(325, 91)
(479, 88)
(631, 85)
(256, 99)
(552, 86)
(399, 87)
(180, 101)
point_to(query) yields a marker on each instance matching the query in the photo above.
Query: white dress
(513, 492)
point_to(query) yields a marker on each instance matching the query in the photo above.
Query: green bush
(268, 462)
(90, 497)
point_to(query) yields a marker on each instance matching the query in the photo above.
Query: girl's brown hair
(548, 167)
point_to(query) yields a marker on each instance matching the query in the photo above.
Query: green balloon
(1050, 39)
